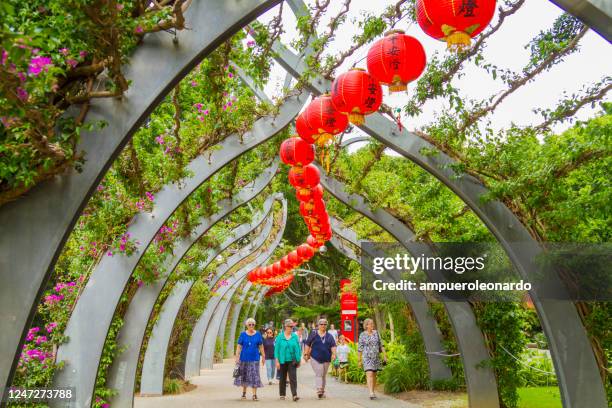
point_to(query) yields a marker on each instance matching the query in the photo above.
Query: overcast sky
(504, 49)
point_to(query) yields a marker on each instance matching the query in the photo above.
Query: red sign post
(348, 312)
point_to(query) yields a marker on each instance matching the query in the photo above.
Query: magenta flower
(140, 283)
(160, 139)
(22, 94)
(140, 204)
(150, 196)
(50, 327)
(81, 248)
(161, 249)
(138, 30)
(120, 7)
(82, 54)
(40, 340)
(250, 43)
(21, 76)
(38, 64)
(3, 57)
(194, 83)
(206, 112)
(230, 75)
(201, 118)
(64, 51)
(72, 62)
(122, 247)
(109, 253)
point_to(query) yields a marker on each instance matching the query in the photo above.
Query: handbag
(236, 372)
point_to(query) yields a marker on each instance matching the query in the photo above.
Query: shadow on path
(215, 390)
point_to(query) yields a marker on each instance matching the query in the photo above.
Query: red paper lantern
(396, 60)
(305, 251)
(454, 21)
(277, 269)
(296, 152)
(294, 258)
(284, 262)
(252, 275)
(313, 242)
(320, 121)
(315, 193)
(304, 177)
(356, 93)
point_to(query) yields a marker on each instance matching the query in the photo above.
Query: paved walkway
(215, 390)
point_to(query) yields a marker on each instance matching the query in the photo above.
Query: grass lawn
(539, 397)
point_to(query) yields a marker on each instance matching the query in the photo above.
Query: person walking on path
(268, 344)
(342, 353)
(288, 355)
(248, 353)
(304, 336)
(370, 347)
(332, 330)
(320, 350)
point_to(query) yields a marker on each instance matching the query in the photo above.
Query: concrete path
(215, 390)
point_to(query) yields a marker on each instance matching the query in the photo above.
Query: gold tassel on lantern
(397, 85)
(356, 117)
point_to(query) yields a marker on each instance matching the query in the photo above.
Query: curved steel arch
(90, 321)
(40, 221)
(211, 331)
(428, 327)
(122, 375)
(196, 342)
(155, 355)
(480, 381)
(96, 305)
(235, 315)
(575, 364)
(226, 314)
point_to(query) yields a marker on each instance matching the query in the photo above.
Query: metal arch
(257, 302)
(480, 381)
(226, 315)
(430, 332)
(196, 342)
(597, 14)
(234, 322)
(90, 321)
(96, 305)
(122, 375)
(217, 307)
(575, 364)
(152, 376)
(248, 81)
(40, 222)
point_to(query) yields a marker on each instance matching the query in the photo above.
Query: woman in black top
(268, 344)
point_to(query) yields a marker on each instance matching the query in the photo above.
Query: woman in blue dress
(248, 354)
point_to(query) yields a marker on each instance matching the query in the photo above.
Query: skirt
(249, 375)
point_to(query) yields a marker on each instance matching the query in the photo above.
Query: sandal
(255, 397)
(243, 396)
(372, 396)
(282, 397)
(296, 398)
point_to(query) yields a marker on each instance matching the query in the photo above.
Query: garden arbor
(36, 224)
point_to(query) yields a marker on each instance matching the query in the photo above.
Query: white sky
(504, 49)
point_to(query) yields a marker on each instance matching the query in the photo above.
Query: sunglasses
(251, 324)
